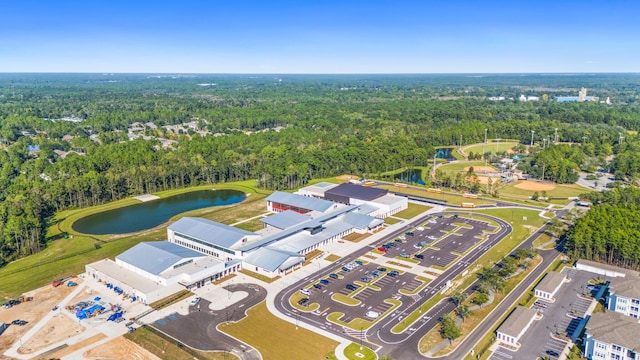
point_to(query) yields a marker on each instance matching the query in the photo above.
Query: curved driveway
(403, 345)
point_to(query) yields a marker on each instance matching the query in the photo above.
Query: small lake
(411, 176)
(153, 213)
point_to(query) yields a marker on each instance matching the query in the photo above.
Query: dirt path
(59, 328)
(119, 348)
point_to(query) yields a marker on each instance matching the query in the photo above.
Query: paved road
(404, 345)
(199, 329)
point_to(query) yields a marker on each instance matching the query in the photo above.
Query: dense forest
(281, 130)
(609, 231)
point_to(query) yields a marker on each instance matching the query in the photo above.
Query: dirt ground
(59, 328)
(484, 180)
(535, 185)
(481, 169)
(44, 299)
(119, 348)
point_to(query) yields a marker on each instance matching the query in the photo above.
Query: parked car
(344, 268)
(382, 269)
(195, 301)
(382, 249)
(20, 322)
(351, 287)
(317, 286)
(419, 256)
(364, 279)
(358, 262)
(372, 314)
(404, 255)
(417, 246)
(333, 276)
(375, 273)
(393, 273)
(305, 292)
(324, 281)
(398, 240)
(303, 301)
(409, 233)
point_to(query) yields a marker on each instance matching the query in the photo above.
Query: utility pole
(532, 132)
(485, 135)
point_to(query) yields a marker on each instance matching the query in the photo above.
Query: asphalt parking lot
(561, 318)
(370, 290)
(443, 239)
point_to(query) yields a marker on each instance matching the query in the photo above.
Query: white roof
(157, 256)
(271, 259)
(304, 202)
(209, 231)
(285, 219)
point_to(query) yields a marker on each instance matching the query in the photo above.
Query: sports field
(491, 147)
(524, 189)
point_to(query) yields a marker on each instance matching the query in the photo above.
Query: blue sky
(320, 36)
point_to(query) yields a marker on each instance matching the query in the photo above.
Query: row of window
(197, 248)
(205, 243)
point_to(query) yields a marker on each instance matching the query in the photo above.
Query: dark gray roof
(301, 201)
(209, 231)
(615, 328)
(628, 286)
(356, 191)
(285, 219)
(550, 282)
(271, 259)
(157, 256)
(518, 319)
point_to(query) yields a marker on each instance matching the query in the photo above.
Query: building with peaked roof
(209, 237)
(516, 325)
(151, 271)
(272, 262)
(285, 219)
(624, 286)
(549, 285)
(612, 335)
(316, 190)
(282, 201)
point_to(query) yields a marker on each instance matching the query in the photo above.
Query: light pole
(555, 138)
(485, 135)
(532, 132)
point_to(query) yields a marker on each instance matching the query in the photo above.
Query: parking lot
(439, 241)
(360, 289)
(561, 320)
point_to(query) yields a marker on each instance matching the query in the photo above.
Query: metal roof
(357, 191)
(615, 328)
(157, 256)
(314, 223)
(550, 282)
(518, 320)
(361, 221)
(285, 219)
(299, 242)
(272, 259)
(301, 201)
(366, 209)
(209, 231)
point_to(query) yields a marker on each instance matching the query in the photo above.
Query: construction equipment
(25, 298)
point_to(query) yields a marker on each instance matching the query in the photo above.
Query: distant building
(528, 98)
(582, 97)
(612, 336)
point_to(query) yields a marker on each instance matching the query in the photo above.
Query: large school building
(198, 250)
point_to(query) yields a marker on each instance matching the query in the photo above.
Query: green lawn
(460, 166)
(490, 147)
(450, 198)
(277, 339)
(412, 211)
(391, 221)
(357, 352)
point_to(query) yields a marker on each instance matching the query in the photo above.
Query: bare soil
(535, 185)
(59, 328)
(481, 169)
(119, 348)
(44, 299)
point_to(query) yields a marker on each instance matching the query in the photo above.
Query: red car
(382, 249)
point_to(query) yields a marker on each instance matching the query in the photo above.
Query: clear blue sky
(320, 36)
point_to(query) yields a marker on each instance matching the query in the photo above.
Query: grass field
(167, 348)
(277, 339)
(559, 191)
(411, 211)
(357, 352)
(489, 147)
(452, 199)
(391, 221)
(64, 257)
(460, 166)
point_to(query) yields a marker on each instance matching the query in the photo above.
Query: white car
(194, 301)
(372, 314)
(419, 228)
(305, 292)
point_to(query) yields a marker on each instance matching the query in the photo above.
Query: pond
(153, 213)
(445, 153)
(411, 176)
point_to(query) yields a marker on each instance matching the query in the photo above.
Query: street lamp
(532, 132)
(485, 135)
